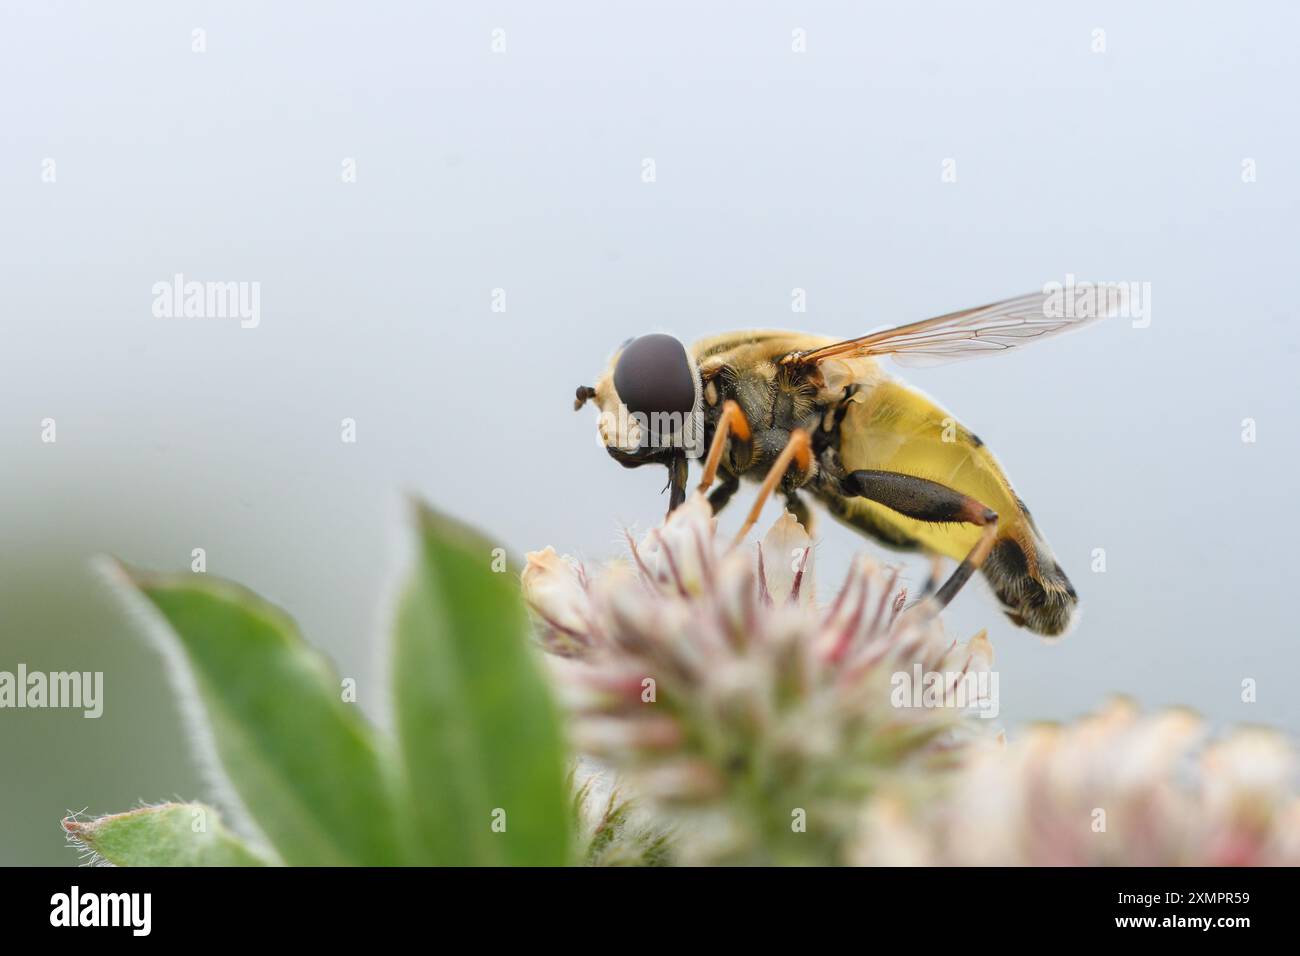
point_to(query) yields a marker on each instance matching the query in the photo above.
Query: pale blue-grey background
(522, 171)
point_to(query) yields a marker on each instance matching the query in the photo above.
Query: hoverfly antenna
(584, 392)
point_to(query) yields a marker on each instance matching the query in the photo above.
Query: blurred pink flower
(1113, 789)
(712, 681)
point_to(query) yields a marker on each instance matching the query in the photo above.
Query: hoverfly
(814, 417)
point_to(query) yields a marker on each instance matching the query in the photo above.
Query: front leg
(732, 426)
(677, 476)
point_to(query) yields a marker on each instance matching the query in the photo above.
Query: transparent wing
(985, 330)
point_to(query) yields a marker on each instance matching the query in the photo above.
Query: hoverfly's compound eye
(654, 375)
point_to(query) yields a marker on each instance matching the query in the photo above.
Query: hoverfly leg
(677, 478)
(969, 565)
(731, 422)
(720, 495)
(797, 451)
(927, 500)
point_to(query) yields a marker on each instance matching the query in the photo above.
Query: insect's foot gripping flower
(1114, 789)
(728, 698)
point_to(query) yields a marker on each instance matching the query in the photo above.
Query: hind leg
(927, 500)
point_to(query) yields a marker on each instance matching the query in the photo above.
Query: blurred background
(513, 161)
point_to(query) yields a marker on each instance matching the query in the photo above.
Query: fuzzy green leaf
(304, 763)
(174, 834)
(479, 735)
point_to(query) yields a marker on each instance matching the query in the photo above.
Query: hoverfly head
(649, 399)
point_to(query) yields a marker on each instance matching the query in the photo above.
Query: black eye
(654, 375)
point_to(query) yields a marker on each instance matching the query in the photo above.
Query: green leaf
(174, 834)
(304, 763)
(479, 735)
